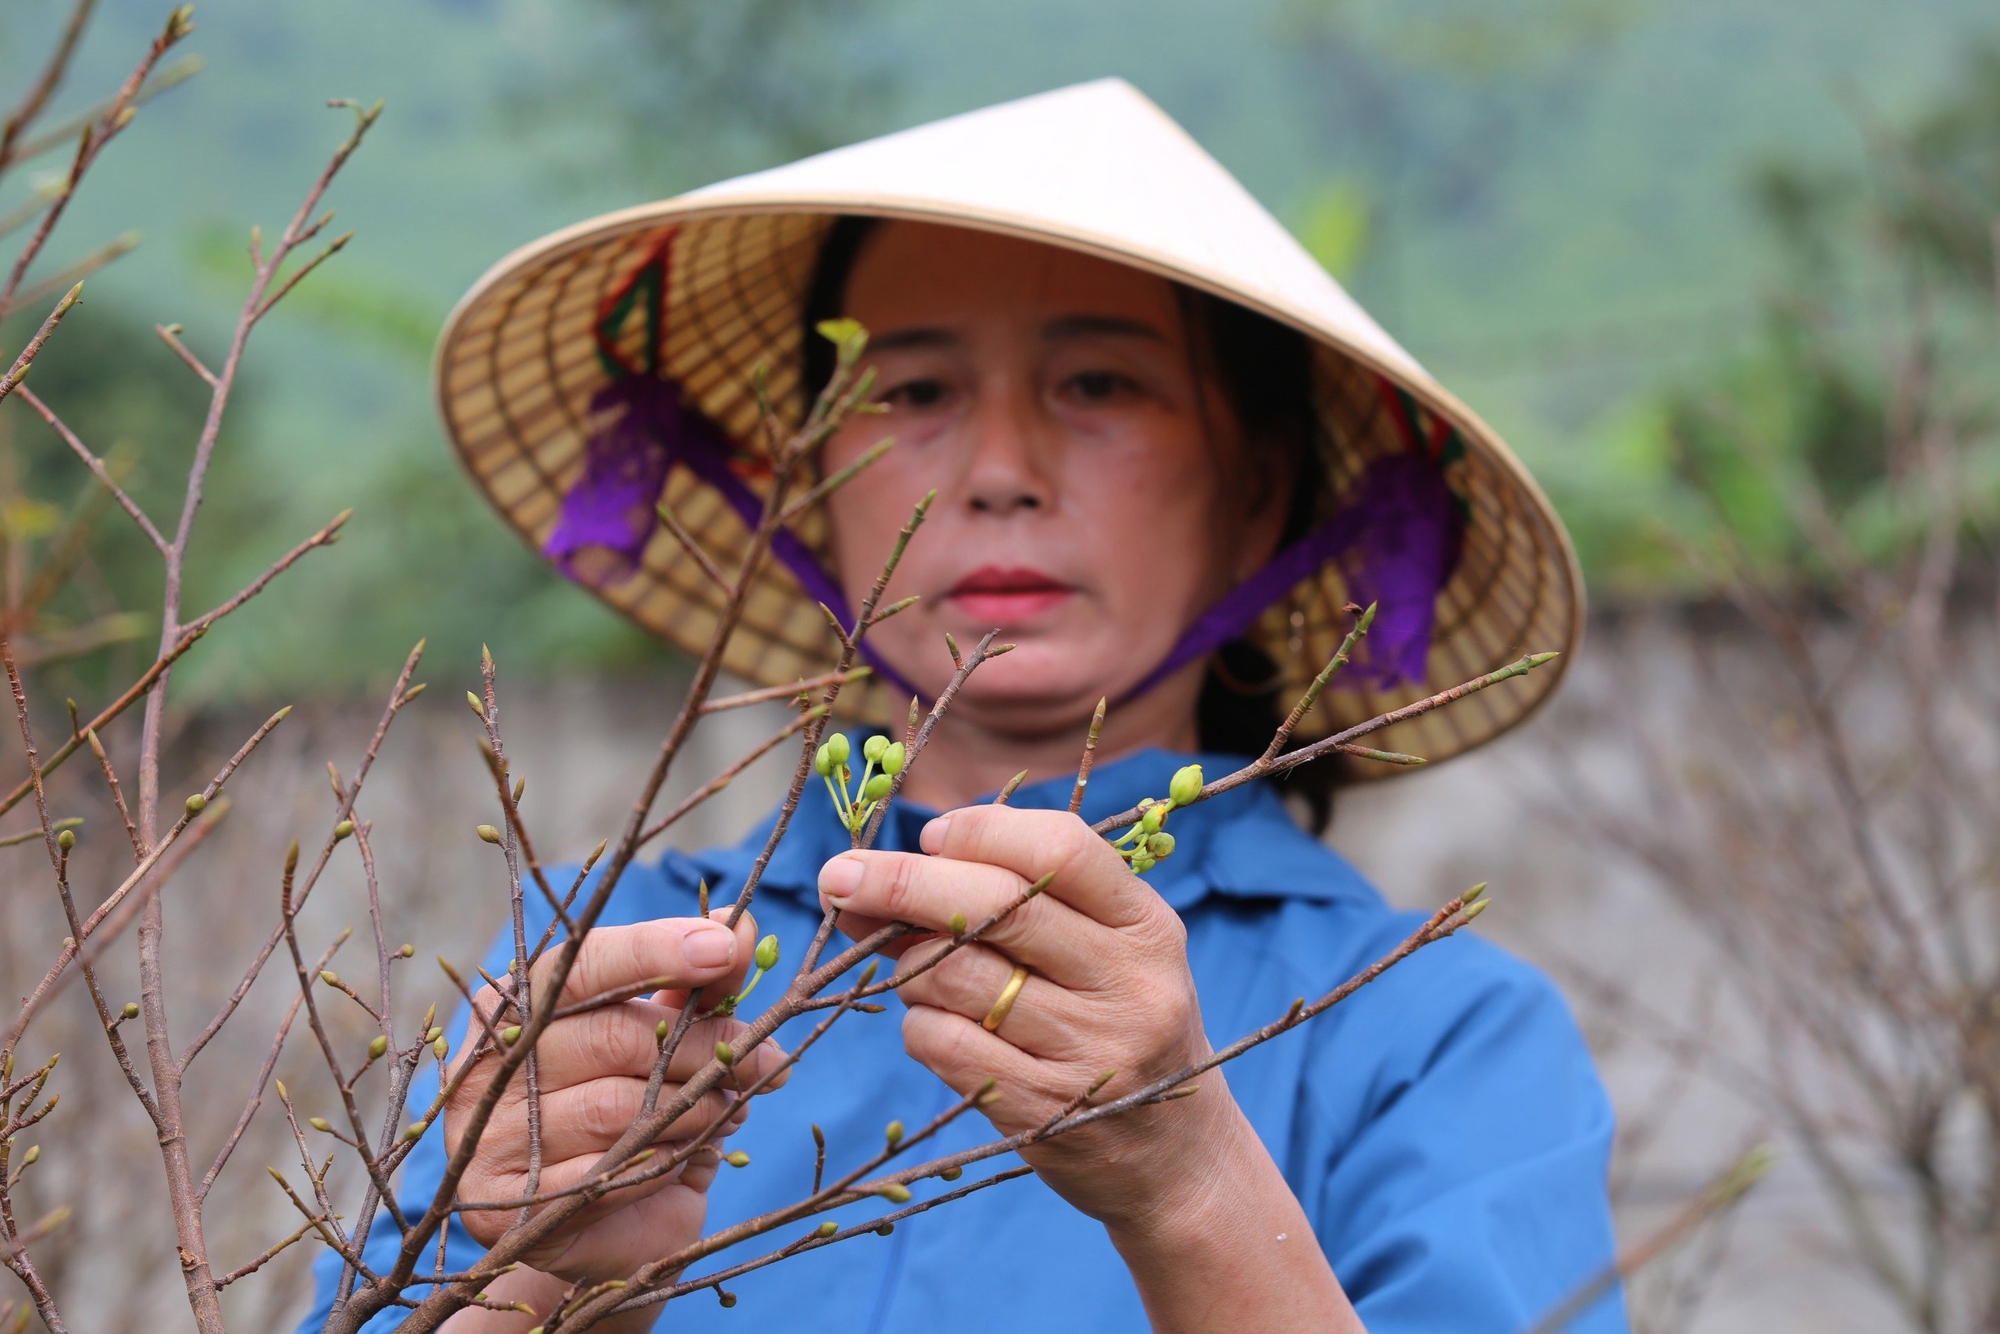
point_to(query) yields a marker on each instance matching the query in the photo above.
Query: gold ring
(1008, 995)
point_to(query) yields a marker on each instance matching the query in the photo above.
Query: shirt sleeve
(1467, 1193)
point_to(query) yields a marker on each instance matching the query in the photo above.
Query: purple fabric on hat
(1399, 539)
(608, 517)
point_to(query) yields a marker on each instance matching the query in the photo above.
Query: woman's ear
(1270, 469)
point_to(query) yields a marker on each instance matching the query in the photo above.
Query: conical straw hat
(709, 287)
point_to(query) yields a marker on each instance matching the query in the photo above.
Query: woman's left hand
(1108, 989)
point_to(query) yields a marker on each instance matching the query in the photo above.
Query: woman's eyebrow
(1076, 326)
(898, 339)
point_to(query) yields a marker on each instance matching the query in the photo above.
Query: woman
(1166, 499)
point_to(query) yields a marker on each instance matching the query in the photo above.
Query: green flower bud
(823, 760)
(416, 1131)
(957, 925)
(408, 950)
(66, 839)
(828, 1228)
(895, 1192)
(878, 787)
(660, 1030)
(894, 758)
(836, 746)
(195, 804)
(767, 953)
(379, 1046)
(511, 1034)
(725, 1053)
(952, 1173)
(131, 1010)
(1142, 864)
(321, 1123)
(489, 833)
(1186, 785)
(345, 829)
(1150, 822)
(736, 1158)
(894, 1134)
(439, 1048)
(1160, 845)
(872, 748)
(727, 1299)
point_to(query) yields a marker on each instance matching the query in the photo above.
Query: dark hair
(1265, 370)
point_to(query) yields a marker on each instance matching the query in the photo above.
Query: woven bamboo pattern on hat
(1096, 168)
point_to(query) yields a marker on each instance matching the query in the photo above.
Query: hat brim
(519, 362)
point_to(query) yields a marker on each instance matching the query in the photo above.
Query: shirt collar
(1242, 843)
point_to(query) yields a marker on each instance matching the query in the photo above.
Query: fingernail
(932, 839)
(709, 947)
(840, 877)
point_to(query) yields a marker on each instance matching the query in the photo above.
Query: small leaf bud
(837, 748)
(416, 1131)
(893, 757)
(895, 1192)
(477, 708)
(195, 803)
(433, 1034)
(878, 787)
(957, 925)
(872, 748)
(767, 953)
(321, 1123)
(489, 833)
(736, 1158)
(345, 829)
(66, 839)
(131, 1010)
(379, 1046)
(884, 1229)
(828, 1228)
(952, 1173)
(29, 1158)
(725, 1053)
(511, 1034)
(1186, 786)
(727, 1299)
(1160, 845)
(894, 1133)
(660, 1030)
(328, 976)
(407, 951)
(439, 1047)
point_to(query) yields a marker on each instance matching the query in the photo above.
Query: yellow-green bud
(895, 1192)
(407, 951)
(837, 748)
(1150, 822)
(1160, 845)
(489, 833)
(725, 1053)
(433, 1035)
(195, 804)
(439, 1048)
(345, 829)
(1142, 864)
(477, 707)
(957, 925)
(416, 1131)
(660, 1030)
(66, 839)
(823, 760)
(828, 1228)
(328, 976)
(29, 1158)
(767, 953)
(511, 1034)
(872, 748)
(321, 1123)
(952, 1173)
(877, 788)
(893, 758)
(1186, 785)
(894, 1133)
(736, 1158)
(131, 1010)
(378, 1047)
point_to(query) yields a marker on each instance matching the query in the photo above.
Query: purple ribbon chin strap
(608, 517)
(1399, 538)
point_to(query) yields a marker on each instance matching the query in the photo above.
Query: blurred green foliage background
(1635, 234)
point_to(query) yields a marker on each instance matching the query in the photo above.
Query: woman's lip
(1002, 596)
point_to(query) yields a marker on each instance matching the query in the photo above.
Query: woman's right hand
(592, 1070)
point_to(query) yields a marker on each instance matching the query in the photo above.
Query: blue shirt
(1444, 1127)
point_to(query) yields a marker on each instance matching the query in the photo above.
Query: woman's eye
(915, 394)
(1101, 386)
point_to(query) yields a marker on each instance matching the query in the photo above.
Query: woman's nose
(1007, 465)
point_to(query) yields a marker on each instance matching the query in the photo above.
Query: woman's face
(1093, 493)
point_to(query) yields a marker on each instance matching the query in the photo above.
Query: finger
(746, 947)
(590, 1118)
(968, 982)
(1047, 935)
(1090, 876)
(625, 1040)
(690, 950)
